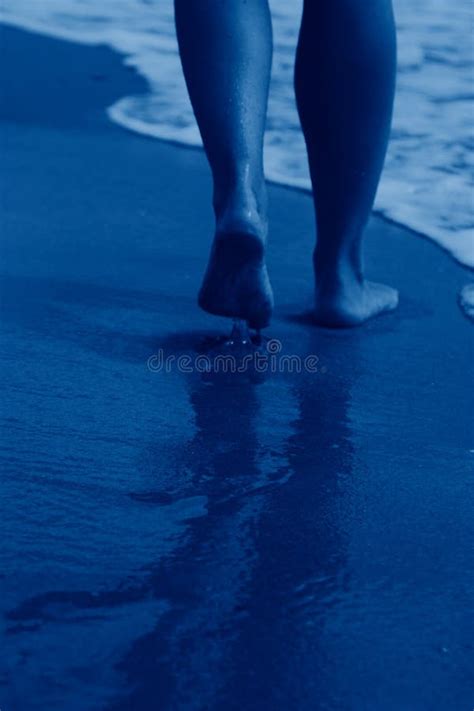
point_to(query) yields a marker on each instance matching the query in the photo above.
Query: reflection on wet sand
(253, 582)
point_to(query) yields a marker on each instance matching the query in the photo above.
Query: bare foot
(236, 282)
(352, 301)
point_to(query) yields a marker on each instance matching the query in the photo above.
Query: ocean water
(427, 182)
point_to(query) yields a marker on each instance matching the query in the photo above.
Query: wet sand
(171, 541)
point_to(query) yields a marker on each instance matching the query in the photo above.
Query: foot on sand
(352, 301)
(236, 282)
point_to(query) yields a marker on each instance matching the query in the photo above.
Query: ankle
(337, 273)
(242, 209)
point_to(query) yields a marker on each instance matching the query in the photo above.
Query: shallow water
(427, 180)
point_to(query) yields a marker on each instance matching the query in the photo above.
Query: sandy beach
(172, 542)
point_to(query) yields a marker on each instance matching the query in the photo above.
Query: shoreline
(306, 191)
(111, 109)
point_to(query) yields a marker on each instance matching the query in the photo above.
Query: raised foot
(236, 282)
(352, 305)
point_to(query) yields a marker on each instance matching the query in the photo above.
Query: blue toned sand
(171, 542)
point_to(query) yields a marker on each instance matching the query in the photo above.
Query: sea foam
(427, 181)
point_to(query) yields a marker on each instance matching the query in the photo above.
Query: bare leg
(344, 82)
(226, 49)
